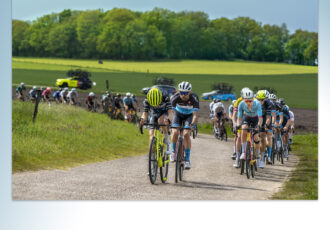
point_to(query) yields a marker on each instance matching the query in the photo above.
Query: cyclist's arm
(194, 119)
(281, 119)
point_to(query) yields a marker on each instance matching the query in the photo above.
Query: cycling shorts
(182, 119)
(155, 116)
(219, 115)
(250, 121)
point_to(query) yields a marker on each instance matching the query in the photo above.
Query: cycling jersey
(105, 97)
(218, 107)
(63, 94)
(231, 109)
(72, 94)
(267, 108)
(291, 115)
(33, 93)
(20, 89)
(89, 99)
(254, 112)
(185, 107)
(45, 93)
(57, 94)
(117, 102)
(211, 106)
(128, 101)
(236, 104)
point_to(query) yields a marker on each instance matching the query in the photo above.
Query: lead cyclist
(186, 106)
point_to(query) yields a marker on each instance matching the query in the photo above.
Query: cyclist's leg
(269, 143)
(187, 140)
(176, 124)
(243, 137)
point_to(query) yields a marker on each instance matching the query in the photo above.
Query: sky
(297, 14)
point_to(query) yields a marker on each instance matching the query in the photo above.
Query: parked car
(170, 90)
(218, 94)
(75, 82)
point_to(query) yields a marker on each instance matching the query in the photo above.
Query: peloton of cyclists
(186, 106)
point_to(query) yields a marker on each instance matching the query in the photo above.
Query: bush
(78, 73)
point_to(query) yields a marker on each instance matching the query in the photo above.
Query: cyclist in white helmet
(73, 97)
(90, 101)
(128, 106)
(64, 94)
(186, 106)
(33, 94)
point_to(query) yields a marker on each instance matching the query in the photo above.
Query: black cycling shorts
(250, 121)
(219, 115)
(182, 119)
(155, 116)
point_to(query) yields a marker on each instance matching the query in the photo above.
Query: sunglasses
(248, 101)
(184, 93)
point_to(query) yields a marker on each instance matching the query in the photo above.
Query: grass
(173, 66)
(65, 136)
(303, 183)
(299, 90)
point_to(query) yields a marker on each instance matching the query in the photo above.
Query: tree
(19, 30)
(311, 52)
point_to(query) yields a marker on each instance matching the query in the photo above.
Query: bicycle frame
(250, 139)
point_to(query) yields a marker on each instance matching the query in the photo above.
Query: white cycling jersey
(211, 106)
(291, 115)
(72, 94)
(218, 107)
(63, 93)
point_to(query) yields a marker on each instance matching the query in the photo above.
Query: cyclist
(285, 123)
(211, 110)
(185, 105)
(33, 94)
(230, 115)
(251, 109)
(118, 102)
(90, 101)
(106, 99)
(158, 103)
(128, 106)
(266, 128)
(291, 129)
(46, 94)
(135, 102)
(19, 91)
(237, 130)
(57, 96)
(63, 95)
(73, 97)
(219, 114)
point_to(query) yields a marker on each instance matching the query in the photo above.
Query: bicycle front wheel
(178, 163)
(163, 171)
(153, 164)
(248, 160)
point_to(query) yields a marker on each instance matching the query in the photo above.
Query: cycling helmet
(22, 83)
(108, 93)
(34, 87)
(48, 89)
(233, 102)
(91, 94)
(281, 101)
(133, 95)
(217, 100)
(214, 100)
(267, 93)
(261, 94)
(128, 94)
(247, 94)
(244, 89)
(118, 94)
(154, 97)
(73, 90)
(66, 89)
(185, 86)
(272, 96)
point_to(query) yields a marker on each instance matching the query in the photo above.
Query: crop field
(297, 84)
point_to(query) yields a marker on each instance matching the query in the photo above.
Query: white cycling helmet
(185, 86)
(247, 94)
(22, 83)
(272, 96)
(244, 89)
(73, 90)
(34, 87)
(267, 93)
(66, 89)
(233, 102)
(128, 94)
(91, 94)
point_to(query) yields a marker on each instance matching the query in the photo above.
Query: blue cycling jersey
(231, 109)
(255, 110)
(128, 101)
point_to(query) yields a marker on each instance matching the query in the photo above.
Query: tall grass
(65, 136)
(303, 183)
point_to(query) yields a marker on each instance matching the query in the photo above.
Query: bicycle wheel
(153, 165)
(282, 155)
(178, 163)
(248, 160)
(163, 171)
(225, 134)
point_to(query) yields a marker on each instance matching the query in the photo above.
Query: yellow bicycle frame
(160, 144)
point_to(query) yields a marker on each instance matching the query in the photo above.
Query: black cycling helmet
(281, 101)
(214, 100)
(108, 93)
(118, 94)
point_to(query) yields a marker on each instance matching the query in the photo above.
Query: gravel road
(212, 177)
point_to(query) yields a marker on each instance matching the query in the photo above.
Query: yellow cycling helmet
(154, 97)
(261, 94)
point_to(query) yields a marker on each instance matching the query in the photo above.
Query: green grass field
(297, 84)
(303, 184)
(65, 136)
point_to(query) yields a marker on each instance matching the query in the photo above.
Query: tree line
(159, 34)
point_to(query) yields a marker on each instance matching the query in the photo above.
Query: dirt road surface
(212, 177)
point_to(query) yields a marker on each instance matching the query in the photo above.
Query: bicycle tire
(177, 164)
(248, 160)
(226, 136)
(163, 171)
(282, 155)
(152, 163)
